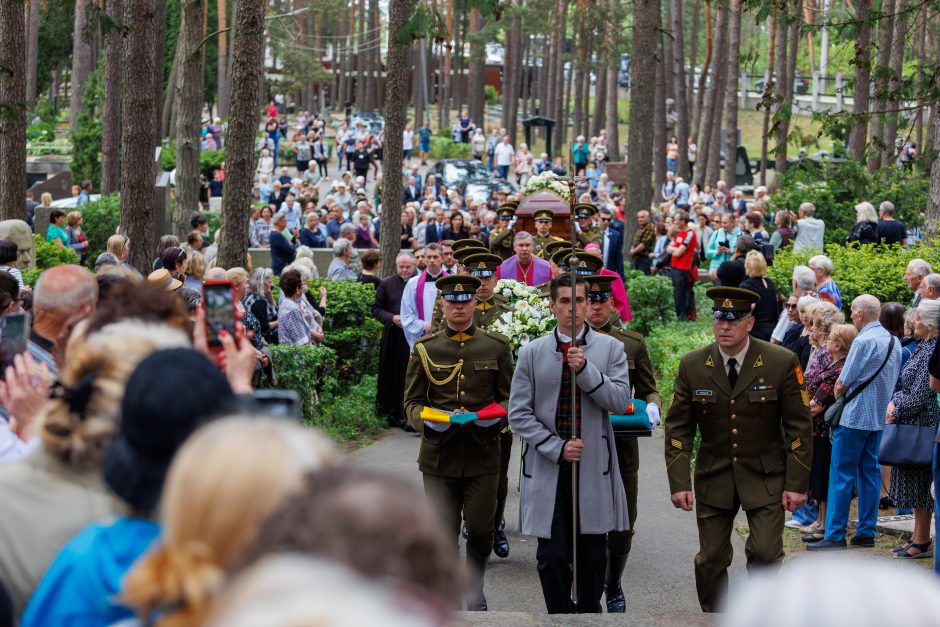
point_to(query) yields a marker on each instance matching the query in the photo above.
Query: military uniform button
(463, 393)
(763, 398)
(735, 445)
(734, 460)
(732, 401)
(461, 345)
(734, 432)
(463, 376)
(734, 416)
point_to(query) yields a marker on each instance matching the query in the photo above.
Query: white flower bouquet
(529, 319)
(547, 181)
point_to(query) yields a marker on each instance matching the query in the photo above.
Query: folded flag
(494, 410)
(634, 421)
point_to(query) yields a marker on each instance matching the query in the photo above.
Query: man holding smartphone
(461, 369)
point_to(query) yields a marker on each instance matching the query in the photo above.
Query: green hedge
(102, 219)
(876, 270)
(209, 160)
(47, 255)
(650, 301)
(344, 411)
(835, 189)
(350, 328)
(447, 148)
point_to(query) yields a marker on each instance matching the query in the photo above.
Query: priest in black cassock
(393, 355)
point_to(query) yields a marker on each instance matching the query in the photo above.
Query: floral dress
(914, 401)
(820, 381)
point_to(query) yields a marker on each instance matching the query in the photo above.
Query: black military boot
(612, 590)
(500, 543)
(476, 601)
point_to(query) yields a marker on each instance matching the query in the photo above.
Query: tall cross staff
(572, 200)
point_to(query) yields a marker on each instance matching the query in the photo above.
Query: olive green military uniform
(592, 234)
(484, 313)
(756, 442)
(461, 371)
(542, 242)
(501, 239)
(628, 451)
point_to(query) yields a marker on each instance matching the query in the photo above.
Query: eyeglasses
(791, 305)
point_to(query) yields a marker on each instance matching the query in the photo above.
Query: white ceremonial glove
(437, 426)
(652, 412)
(489, 422)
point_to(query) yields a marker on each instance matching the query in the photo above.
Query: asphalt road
(658, 581)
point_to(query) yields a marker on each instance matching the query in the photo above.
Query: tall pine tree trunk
(780, 59)
(580, 68)
(475, 76)
(693, 59)
(885, 35)
(678, 78)
(600, 91)
(399, 12)
(703, 80)
(32, 52)
(223, 97)
(713, 98)
(731, 93)
(559, 112)
(862, 65)
(168, 117)
(517, 71)
(159, 33)
(659, 120)
(138, 133)
(793, 49)
(719, 82)
(12, 110)
(111, 104)
(613, 96)
(189, 81)
(361, 56)
(768, 90)
(639, 158)
(932, 214)
(890, 152)
(419, 79)
(246, 79)
(81, 60)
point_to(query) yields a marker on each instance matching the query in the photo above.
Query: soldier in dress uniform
(589, 233)
(585, 264)
(748, 400)
(543, 233)
(460, 369)
(465, 247)
(502, 236)
(600, 312)
(489, 307)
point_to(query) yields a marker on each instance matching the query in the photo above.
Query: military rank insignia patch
(709, 362)
(805, 396)
(759, 362)
(798, 371)
(676, 444)
(796, 444)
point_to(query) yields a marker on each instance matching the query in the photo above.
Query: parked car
(451, 172)
(480, 190)
(800, 85)
(372, 119)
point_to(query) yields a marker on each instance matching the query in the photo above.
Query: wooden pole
(572, 197)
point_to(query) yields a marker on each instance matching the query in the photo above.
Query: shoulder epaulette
(429, 336)
(495, 335)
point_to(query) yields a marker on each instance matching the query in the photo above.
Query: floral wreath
(547, 181)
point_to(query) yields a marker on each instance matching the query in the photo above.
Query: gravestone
(20, 233)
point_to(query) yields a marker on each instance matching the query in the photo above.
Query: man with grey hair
(826, 287)
(802, 282)
(810, 231)
(867, 380)
(890, 231)
(62, 293)
(929, 287)
(524, 266)
(339, 268)
(282, 251)
(917, 270)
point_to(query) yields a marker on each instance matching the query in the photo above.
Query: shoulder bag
(833, 415)
(907, 445)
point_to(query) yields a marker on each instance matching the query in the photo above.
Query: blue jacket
(615, 256)
(81, 586)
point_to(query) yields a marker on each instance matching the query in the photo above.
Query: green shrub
(42, 131)
(667, 344)
(306, 370)
(349, 413)
(835, 189)
(875, 270)
(650, 301)
(86, 136)
(102, 219)
(350, 328)
(447, 148)
(47, 255)
(490, 94)
(209, 160)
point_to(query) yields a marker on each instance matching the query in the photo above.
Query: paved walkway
(658, 582)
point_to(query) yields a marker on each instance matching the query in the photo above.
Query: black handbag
(906, 445)
(833, 415)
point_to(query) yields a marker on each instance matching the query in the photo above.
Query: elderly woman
(259, 300)
(826, 287)
(195, 271)
(820, 384)
(800, 344)
(55, 232)
(313, 312)
(914, 403)
(239, 279)
(120, 246)
(865, 230)
(784, 233)
(292, 327)
(765, 313)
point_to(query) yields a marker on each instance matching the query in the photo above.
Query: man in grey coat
(540, 411)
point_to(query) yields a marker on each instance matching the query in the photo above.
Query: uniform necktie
(732, 372)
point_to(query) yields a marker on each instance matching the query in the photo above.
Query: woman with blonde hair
(57, 490)
(77, 240)
(865, 230)
(765, 312)
(212, 509)
(195, 271)
(120, 246)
